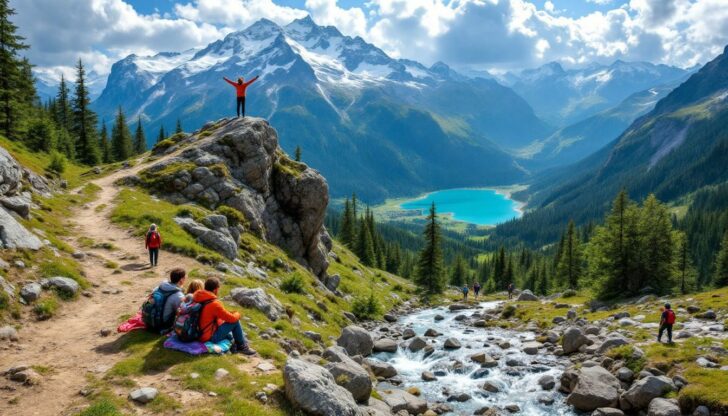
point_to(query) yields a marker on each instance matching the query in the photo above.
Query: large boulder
(572, 340)
(527, 295)
(11, 173)
(356, 341)
(663, 407)
(258, 299)
(381, 369)
(64, 285)
(644, 390)
(238, 163)
(313, 389)
(385, 345)
(14, 236)
(399, 400)
(613, 340)
(595, 388)
(353, 377)
(31, 292)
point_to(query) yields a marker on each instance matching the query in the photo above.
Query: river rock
(595, 387)
(573, 339)
(416, 344)
(546, 382)
(644, 390)
(385, 345)
(663, 407)
(531, 348)
(356, 341)
(399, 400)
(491, 387)
(143, 395)
(527, 295)
(408, 333)
(613, 340)
(313, 389)
(432, 333)
(452, 344)
(701, 411)
(31, 292)
(257, 298)
(625, 374)
(709, 314)
(65, 285)
(428, 376)
(351, 376)
(607, 411)
(381, 369)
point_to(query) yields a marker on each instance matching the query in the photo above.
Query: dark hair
(667, 305)
(176, 275)
(211, 284)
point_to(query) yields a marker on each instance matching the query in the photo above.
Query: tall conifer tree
(84, 121)
(10, 72)
(429, 276)
(140, 141)
(121, 143)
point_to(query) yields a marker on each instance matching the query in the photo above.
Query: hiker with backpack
(510, 290)
(476, 289)
(465, 292)
(667, 320)
(160, 308)
(214, 322)
(152, 242)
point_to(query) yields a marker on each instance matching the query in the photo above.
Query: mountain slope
(369, 123)
(564, 97)
(677, 148)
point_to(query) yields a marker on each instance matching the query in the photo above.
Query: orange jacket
(240, 88)
(213, 314)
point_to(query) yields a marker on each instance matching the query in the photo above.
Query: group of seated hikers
(196, 315)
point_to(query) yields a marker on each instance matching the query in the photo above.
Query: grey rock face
(573, 339)
(18, 204)
(214, 233)
(644, 390)
(239, 164)
(356, 341)
(66, 285)
(663, 407)
(14, 236)
(595, 388)
(258, 299)
(527, 295)
(313, 389)
(31, 292)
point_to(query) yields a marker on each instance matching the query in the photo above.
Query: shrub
(508, 311)
(569, 293)
(45, 308)
(366, 307)
(233, 216)
(398, 288)
(4, 300)
(57, 163)
(293, 284)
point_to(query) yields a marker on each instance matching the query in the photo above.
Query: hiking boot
(244, 349)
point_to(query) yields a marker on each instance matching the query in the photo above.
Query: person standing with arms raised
(240, 88)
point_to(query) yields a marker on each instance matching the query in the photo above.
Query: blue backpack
(153, 310)
(187, 324)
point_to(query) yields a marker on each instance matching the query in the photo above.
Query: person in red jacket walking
(240, 88)
(153, 242)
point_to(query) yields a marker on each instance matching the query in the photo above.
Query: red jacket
(240, 88)
(153, 240)
(213, 314)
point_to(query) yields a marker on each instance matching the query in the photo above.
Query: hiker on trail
(240, 88)
(667, 320)
(152, 243)
(465, 292)
(510, 290)
(216, 323)
(476, 289)
(158, 311)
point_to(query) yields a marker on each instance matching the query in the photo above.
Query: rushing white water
(518, 384)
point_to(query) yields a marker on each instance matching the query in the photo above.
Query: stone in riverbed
(399, 400)
(381, 369)
(356, 341)
(573, 339)
(452, 344)
(385, 345)
(607, 411)
(313, 389)
(432, 333)
(594, 388)
(531, 348)
(663, 407)
(416, 344)
(547, 382)
(491, 387)
(408, 333)
(428, 376)
(353, 377)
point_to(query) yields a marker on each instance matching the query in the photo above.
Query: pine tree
(459, 273)
(685, 273)
(720, 278)
(84, 121)
(63, 114)
(162, 135)
(41, 134)
(656, 247)
(499, 269)
(365, 245)
(178, 127)
(430, 276)
(140, 141)
(569, 267)
(26, 95)
(10, 72)
(105, 145)
(298, 153)
(65, 143)
(348, 224)
(121, 144)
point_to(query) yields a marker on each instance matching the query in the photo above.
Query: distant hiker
(216, 323)
(158, 311)
(667, 320)
(152, 243)
(240, 88)
(465, 292)
(476, 289)
(510, 290)
(193, 287)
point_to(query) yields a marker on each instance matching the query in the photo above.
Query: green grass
(38, 162)
(103, 407)
(45, 308)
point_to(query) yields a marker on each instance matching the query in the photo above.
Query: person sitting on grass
(216, 323)
(193, 287)
(160, 308)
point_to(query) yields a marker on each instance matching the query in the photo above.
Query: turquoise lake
(475, 206)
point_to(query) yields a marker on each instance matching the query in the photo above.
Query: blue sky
(495, 35)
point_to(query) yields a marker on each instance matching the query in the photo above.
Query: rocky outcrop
(313, 389)
(238, 163)
(353, 377)
(257, 298)
(214, 233)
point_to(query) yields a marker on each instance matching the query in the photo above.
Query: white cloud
(351, 21)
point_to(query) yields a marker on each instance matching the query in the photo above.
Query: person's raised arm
(229, 82)
(252, 80)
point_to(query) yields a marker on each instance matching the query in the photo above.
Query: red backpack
(670, 318)
(153, 240)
